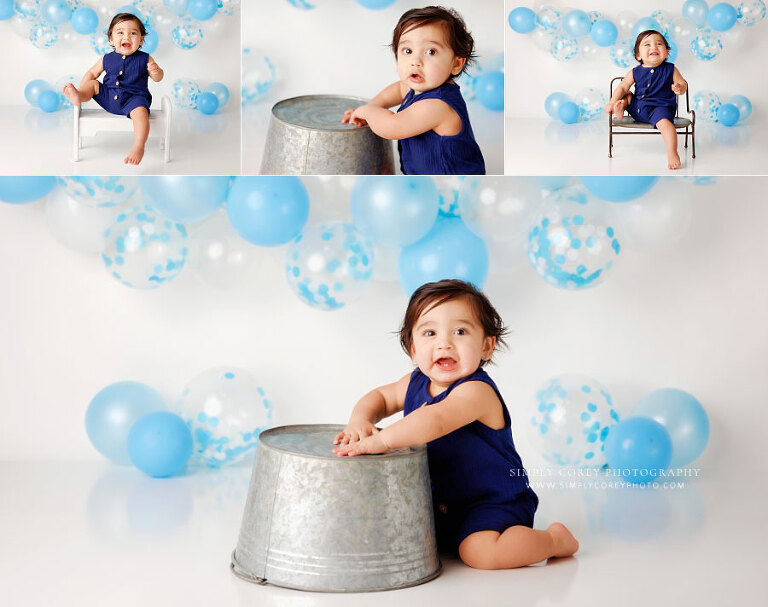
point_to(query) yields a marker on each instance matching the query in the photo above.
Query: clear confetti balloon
(329, 265)
(100, 191)
(143, 250)
(65, 103)
(622, 53)
(681, 30)
(750, 12)
(563, 48)
(706, 105)
(43, 35)
(573, 244)
(258, 75)
(706, 45)
(448, 189)
(100, 43)
(77, 226)
(664, 19)
(595, 16)
(302, 4)
(466, 82)
(228, 7)
(226, 410)
(185, 93)
(591, 103)
(625, 21)
(570, 421)
(28, 9)
(186, 34)
(548, 19)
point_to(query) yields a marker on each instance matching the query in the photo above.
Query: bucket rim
(276, 118)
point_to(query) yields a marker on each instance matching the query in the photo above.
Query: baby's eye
(460, 332)
(431, 52)
(429, 333)
(406, 51)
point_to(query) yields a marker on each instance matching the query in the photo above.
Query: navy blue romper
(478, 479)
(433, 154)
(654, 98)
(125, 83)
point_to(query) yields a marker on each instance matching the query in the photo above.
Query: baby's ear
(458, 65)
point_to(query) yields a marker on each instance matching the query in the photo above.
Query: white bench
(89, 121)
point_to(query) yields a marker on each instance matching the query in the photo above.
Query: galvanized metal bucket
(317, 521)
(306, 137)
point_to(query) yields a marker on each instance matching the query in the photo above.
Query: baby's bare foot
(135, 155)
(565, 543)
(71, 93)
(673, 160)
(618, 109)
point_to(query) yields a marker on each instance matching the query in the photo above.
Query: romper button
(115, 97)
(123, 57)
(651, 68)
(443, 509)
(121, 73)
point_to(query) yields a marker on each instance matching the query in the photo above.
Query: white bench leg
(78, 139)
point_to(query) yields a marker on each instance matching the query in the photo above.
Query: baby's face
(652, 51)
(449, 343)
(425, 59)
(126, 37)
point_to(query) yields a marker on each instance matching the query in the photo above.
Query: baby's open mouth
(417, 78)
(446, 363)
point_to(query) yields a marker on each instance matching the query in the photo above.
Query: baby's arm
(679, 85)
(620, 91)
(390, 96)
(93, 73)
(466, 403)
(420, 117)
(373, 407)
(154, 70)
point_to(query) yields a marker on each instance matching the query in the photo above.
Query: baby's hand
(152, 68)
(371, 445)
(351, 117)
(678, 88)
(355, 431)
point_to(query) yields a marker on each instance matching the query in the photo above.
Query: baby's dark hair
(459, 38)
(432, 294)
(120, 17)
(642, 36)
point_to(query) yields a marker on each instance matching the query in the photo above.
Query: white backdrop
(691, 315)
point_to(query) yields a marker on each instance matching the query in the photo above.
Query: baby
(656, 84)
(483, 503)
(432, 47)
(124, 90)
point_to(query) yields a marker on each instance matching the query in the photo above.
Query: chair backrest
(677, 97)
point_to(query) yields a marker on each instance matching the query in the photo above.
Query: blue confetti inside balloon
(329, 265)
(570, 421)
(143, 250)
(574, 244)
(186, 34)
(706, 105)
(622, 53)
(185, 93)
(302, 4)
(100, 44)
(43, 35)
(706, 45)
(448, 189)
(750, 12)
(100, 191)
(591, 103)
(563, 48)
(226, 410)
(258, 76)
(548, 19)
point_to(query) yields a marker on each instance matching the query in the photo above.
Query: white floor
(540, 146)
(34, 142)
(98, 534)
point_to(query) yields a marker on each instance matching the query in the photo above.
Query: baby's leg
(85, 93)
(140, 117)
(621, 105)
(516, 547)
(670, 141)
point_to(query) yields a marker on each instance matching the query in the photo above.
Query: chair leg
(686, 137)
(610, 140)
(693, 140)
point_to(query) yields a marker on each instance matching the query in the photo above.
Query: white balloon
(329, 197)
(625, 21)
(77, 226)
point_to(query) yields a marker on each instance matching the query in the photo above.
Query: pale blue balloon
(576, 23)
(84, 20)
(21, 190)
(160, 444)
(489, 89)
(638, 449)
(269, 210)
(728, 114)
(619, 188)
(604, 33)
(683, 417)
(151, 40)
(55, 12)
(394, 211)
(568, 112)
(202, 10)
(673, 51)
(112, 413)
(722, 17)
(695, 11)
(742, 104)
(48, 101)
(185, 198)
(375, 4)
(522, 20)
(645, 23)
(449, 250)
(207, 103)
(553, 102)
(33, 89)
(221, 92)
(177, 7)
(6, 9)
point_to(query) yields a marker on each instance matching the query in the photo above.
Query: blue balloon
(185, 198)
(684, 419)
(721, 17)
(394, 211)
(84, 20)
(673, 51)
(48, 101)
(33, 89)
(160, 444)
(728, 114)
(645, 23)
(221, 92)
(742, 104)
(376, 4)
(449, 250)
(55, 12)
(695, 11)
(619, 189)
(268, 211)
(604, 33)
(177, 7)
(202, 10)
(638, 449)
(489, 90)
(553, 102)
(576, 23)
(522, 20)
(20, 190)
(207, 103)
(6, 9)
(151, 40)
(568, 112)
(112, 413)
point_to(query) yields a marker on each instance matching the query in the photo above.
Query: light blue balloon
(177, 7)
(160, 444)
(695, 11)
(112, 413)
(6, 9)
(207, 103)
(645, 23)
(489, 90)
(638, 449)
(568, 112)
(48, 101)
(673, 51)
(522, 20)
(268, 211)
(151, 40)
(185, 198)
(721, 17)
(553, 102)
(742, 104)
(449, 250)
(55, 12)
(553, 182)
(684, 419)
(394, 211)
(132, 9)
(728, 114)
(221, 92)
(33, 89)
(375, 4)
(202, 10)
(84, 20)
(604, 33)
(619, 189)
(576, 23)
(21, 190)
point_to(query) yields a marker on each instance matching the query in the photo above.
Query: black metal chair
(616, 126)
